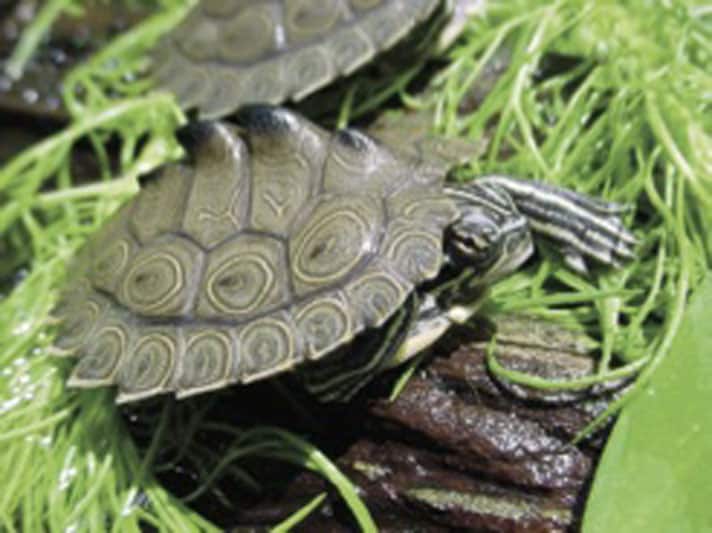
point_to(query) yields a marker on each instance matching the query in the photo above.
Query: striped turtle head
(490, 236)
(497, 214)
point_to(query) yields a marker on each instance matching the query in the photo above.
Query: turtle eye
(488, 234)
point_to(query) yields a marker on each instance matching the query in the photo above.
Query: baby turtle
(229, 53)
(277, 242)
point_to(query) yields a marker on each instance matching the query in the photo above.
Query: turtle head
(492, 238)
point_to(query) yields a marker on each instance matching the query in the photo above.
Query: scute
(432, 209)
(243, 277)
(267, 346)
(275, 50)
(324, 323)
(209, 362)
(219, 193)
(288, 156)
(148, 367)
(350, 49)
(98, 365)
(376, 293)
(386, 26)
(78, 317)
(305, 20)
(226, 289)
(415, 253)
(159, 281)
(248, 36)
(340, 234)
(159, 209)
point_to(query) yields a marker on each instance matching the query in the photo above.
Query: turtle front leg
(433, 317)
(581, 226)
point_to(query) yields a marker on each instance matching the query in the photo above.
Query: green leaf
(655, 471)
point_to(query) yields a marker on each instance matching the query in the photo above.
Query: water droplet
(58, 56)
(22, 328)
(10, 404)
(66, 476)
(30, 96)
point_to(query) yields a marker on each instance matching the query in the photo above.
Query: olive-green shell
(274, 244)
(228, 53)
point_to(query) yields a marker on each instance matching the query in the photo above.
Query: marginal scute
(221, 8)
(189, 81)
(415, 253)
(350, 49)
(160, 279)
(308, 70)
(364, 4)
(78, 318)
(248, 36)
(306, 20)
(386, 26)
(376, 293)
(207, 362)
(220, 190)
(267, 346)
(149, 367)
(432, 208)
(166, 67)
(108, 267)
(264, 82)
(100, 358)
(325, 323)
(220, 93)
(243, 276)
(201, 34)
(341, 232)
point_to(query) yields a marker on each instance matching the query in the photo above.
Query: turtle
(276, 244)
(229, 53)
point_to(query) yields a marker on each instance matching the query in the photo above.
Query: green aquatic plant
(608, 97)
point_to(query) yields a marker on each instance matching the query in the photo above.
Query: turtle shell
(274, 244)
(228, 53)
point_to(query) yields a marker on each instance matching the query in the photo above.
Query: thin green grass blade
(299, 516)
(300, 452)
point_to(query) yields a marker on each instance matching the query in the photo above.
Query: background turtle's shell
(228, 53)
(273, 247)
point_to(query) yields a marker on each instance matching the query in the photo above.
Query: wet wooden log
(458, 450)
